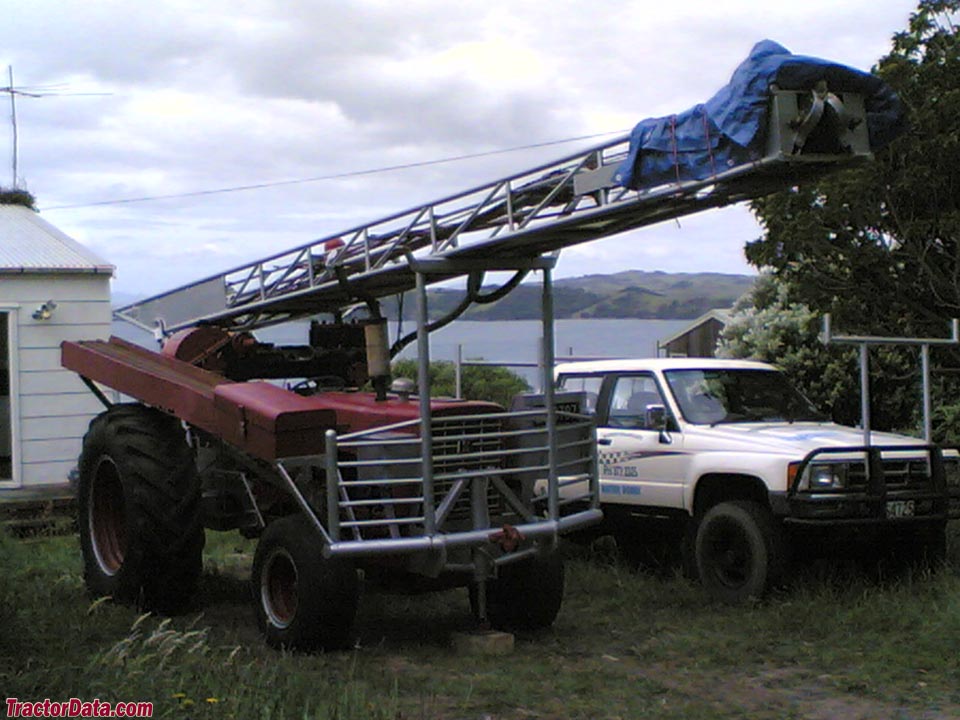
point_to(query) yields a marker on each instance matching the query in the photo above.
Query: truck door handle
(604, 441)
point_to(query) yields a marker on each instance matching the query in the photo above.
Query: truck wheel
(525, 595)
(739, 551)
(303, 600)
(138, 497)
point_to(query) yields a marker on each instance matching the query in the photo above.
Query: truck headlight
(824, 476)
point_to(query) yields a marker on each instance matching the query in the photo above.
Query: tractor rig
(224, 431)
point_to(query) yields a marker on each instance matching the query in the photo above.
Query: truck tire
(138, 497)
(525, 595)
(739, 551)
(303, 600)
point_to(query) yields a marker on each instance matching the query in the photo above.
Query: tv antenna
(38, 91)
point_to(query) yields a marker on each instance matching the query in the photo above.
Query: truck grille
(463, 445)
(898, 474)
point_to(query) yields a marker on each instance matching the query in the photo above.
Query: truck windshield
(734, 395)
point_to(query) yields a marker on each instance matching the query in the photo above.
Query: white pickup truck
(746, 471)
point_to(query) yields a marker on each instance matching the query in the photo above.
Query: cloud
(222, 94)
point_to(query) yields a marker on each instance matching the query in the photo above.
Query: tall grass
(626, 645)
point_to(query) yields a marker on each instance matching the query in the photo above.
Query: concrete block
(483, 642)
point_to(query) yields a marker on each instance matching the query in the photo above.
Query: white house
(51, 289)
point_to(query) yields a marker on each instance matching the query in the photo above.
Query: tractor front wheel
(525, 595)
(303, 600)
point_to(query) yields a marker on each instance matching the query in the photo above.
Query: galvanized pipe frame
(542, 530)
(865, 341)
(355, 439)
(532, 527)
(432, 519)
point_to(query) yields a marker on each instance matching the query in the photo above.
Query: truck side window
(589, 385)
(629, 401)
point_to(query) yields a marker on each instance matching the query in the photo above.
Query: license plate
(900, 508)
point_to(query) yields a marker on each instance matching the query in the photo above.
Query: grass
(626, 645)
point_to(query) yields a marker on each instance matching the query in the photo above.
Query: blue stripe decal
(608, 488)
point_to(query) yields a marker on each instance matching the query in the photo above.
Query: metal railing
(489, 470)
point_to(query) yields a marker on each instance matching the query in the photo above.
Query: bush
(495, 384)
(17, 197)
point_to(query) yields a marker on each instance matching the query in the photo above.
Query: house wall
(50, 406)
(698, 341)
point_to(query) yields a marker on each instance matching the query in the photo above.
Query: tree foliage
(480, 382)
(878, 246)
(766, 324)
(16, 196)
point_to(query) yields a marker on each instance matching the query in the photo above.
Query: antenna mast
(33, 92)
(13, 121)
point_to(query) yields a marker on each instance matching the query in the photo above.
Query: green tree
(878, 247)
(767, 324)
(496, 384)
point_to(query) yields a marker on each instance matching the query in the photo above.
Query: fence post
(458, 373)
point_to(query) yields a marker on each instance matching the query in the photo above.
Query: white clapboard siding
(40, 359)
(50, 382)
(51, 428)
(47, 473)
(37, 336)
(35, 288)
(59, 450)
(55, 407)
(66, 313)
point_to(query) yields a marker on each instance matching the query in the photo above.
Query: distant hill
(629, 294)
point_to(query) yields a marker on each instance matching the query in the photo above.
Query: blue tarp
(730, 128)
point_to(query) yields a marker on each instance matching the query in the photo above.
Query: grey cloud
(304, 88)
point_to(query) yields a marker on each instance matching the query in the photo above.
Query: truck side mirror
(656, 418)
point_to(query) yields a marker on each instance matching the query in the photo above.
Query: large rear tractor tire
(303, 600)
(739, 551)
(138, 496)
(525, 595)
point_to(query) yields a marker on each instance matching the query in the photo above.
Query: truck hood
(798, 438)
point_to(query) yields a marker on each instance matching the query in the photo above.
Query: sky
(171, 97)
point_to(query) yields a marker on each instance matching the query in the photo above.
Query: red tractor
(281, 443)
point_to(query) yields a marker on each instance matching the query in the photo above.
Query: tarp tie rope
(673, 142)
(706, 132)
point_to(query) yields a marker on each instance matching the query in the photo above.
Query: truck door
(639, 463)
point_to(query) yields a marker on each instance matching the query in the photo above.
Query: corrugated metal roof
(29, 244)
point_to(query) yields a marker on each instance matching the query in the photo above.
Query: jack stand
(483, 640)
